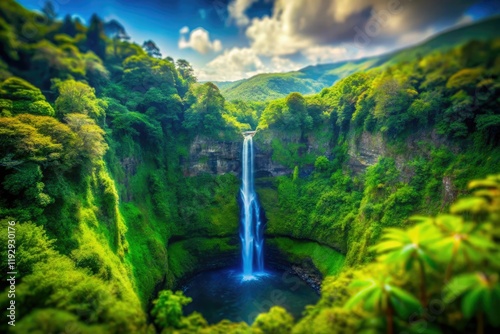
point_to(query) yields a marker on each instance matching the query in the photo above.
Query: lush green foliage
(94, 161)
(363, 167)
(94, 137)
(382, 296)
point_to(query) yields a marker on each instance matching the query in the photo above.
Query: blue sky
(234, 39)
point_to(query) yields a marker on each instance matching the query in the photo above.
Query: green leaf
(360, 283)
(372, 301)
(470, 303)
(486, 298)
(359, 297)
(458, 286)
(492, 313)
(409, 263)
(404, 302)
(428, 260)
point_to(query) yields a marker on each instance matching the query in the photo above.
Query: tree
(276, 321)
(315, 109)
(49, 11)
(26, 182)
(69, 26)
(40, 139)
(381, 296)
(392, 100)
(78, 97)
(322, 164)
(205, 112)
(60, 134)
(167, 309)
(295, 116)
(405, 248)
(116, 32)
(55, 62)
(163, 106)
(18, 96)
(186, 70)
(480, 289)
(21, 142)
(151, 49)
(272, 114)
(10, 45)
(296, 103)
(91, 144)
(142, 73)
(96, 39)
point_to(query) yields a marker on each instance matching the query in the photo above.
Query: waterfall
(251, 225)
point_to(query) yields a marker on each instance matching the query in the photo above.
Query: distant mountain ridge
(312, 79)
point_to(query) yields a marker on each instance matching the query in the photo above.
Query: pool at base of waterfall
(227, 294)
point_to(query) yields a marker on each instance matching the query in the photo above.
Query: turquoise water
(224, 294)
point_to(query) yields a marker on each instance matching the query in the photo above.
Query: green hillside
(123, 179)
(312, 79)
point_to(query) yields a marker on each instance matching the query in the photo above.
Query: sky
(228, 40)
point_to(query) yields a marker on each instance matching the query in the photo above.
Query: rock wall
(364, 151)
(214, 157)
(207, 155)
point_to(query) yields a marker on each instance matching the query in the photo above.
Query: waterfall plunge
(251, 225)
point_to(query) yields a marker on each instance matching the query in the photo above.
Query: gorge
(240, 295)
(140, 208)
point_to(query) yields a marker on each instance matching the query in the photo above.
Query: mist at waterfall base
(240, 294)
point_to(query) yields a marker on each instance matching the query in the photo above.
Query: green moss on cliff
(327, 260)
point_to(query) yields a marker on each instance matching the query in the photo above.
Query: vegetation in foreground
(94, 135)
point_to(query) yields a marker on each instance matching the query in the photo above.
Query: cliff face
(274, 151)
(278, 152)
(207, 155)
(214, 157)
(365, 151)
(323, 207)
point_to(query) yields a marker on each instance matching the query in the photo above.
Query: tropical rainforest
(121, 170)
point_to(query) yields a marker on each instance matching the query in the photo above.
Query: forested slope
(96, 140)
(311, 79)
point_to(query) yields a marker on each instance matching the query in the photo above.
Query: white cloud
(279, 64)
(326, 54)
(296, 25)
(415, 37)
(239, 63)
(323, 31)
(269, 37)
(233, 64)
(237, 9)
(184, 30)
(199, 40)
